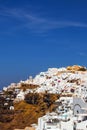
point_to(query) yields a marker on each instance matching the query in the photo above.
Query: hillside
(23, 103)
(26, 114)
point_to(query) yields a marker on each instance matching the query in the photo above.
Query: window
(77, 111)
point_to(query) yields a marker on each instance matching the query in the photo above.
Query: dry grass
(26, 114)
(28, 86)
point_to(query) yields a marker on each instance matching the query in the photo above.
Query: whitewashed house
(20, 96)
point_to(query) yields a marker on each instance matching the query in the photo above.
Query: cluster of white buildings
(54, 81)
(60, 80)
(71, 114)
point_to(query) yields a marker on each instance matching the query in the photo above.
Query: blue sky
(38, 34)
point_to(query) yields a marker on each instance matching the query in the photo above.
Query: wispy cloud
(36, 23)
(82, 54)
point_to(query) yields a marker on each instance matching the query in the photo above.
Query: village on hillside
(62, 94)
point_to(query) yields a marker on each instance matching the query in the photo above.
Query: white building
(49, 121)
(20, 96)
